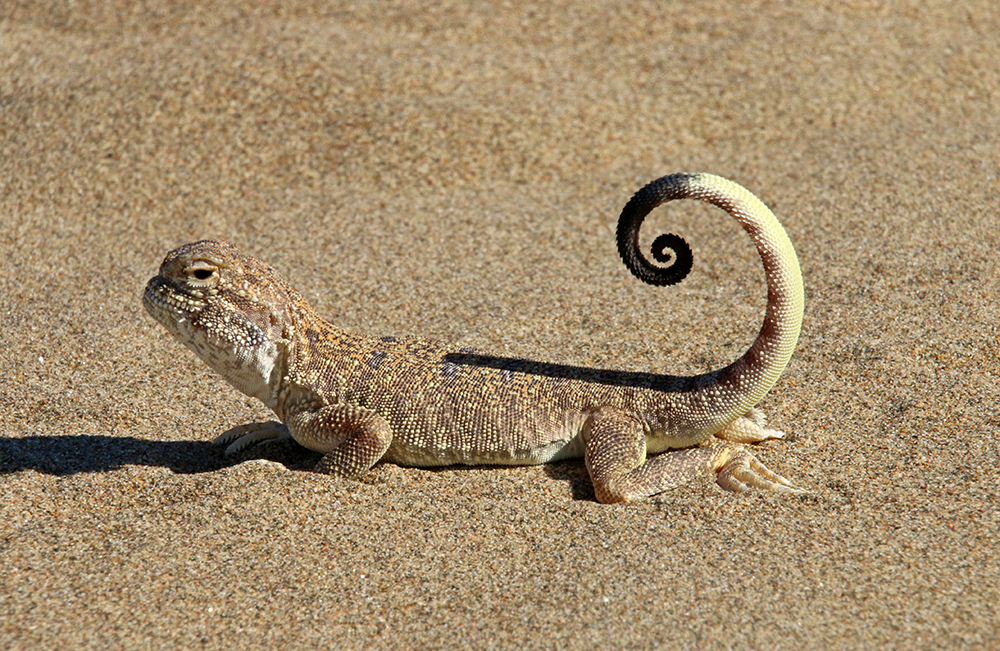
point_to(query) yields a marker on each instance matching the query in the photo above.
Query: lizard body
(359, 399)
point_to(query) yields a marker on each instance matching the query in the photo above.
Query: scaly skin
(360, 399)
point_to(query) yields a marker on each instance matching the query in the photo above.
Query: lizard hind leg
(620, 471)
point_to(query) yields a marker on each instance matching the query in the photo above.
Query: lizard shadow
(575, 473)
(571, 471)
(70, 455)
(63, 456)
(511, 366)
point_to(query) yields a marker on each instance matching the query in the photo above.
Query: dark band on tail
(641, 204)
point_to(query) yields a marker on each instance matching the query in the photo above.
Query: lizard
(360, 399)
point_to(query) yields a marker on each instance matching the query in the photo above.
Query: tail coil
(641, 204)
(759, 368)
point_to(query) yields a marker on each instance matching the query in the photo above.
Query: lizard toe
(743, 471)
(241, 437)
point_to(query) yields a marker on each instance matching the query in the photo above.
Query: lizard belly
(486, 446)
(408, 454)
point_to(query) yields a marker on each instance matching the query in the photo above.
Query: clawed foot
(243, 436)
(742, 471)
(749, 428)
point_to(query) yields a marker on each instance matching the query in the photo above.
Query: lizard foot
(749, 428)
(741, 470)
(243, 436)
(621, 472)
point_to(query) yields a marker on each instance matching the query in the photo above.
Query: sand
(457, 173)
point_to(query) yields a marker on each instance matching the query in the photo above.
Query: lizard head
(232, 310)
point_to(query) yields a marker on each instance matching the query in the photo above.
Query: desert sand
(457, 173)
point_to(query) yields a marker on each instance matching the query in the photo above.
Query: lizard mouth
(188, 315)
(168, 304)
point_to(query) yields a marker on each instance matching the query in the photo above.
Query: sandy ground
(457, 173)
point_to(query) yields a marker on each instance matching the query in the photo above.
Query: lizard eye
(202, 273)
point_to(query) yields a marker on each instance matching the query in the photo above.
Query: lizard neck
(312, 348)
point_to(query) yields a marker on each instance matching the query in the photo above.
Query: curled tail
(741, 385)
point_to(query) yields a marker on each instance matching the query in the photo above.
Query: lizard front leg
(351, 438)
(621, 472)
